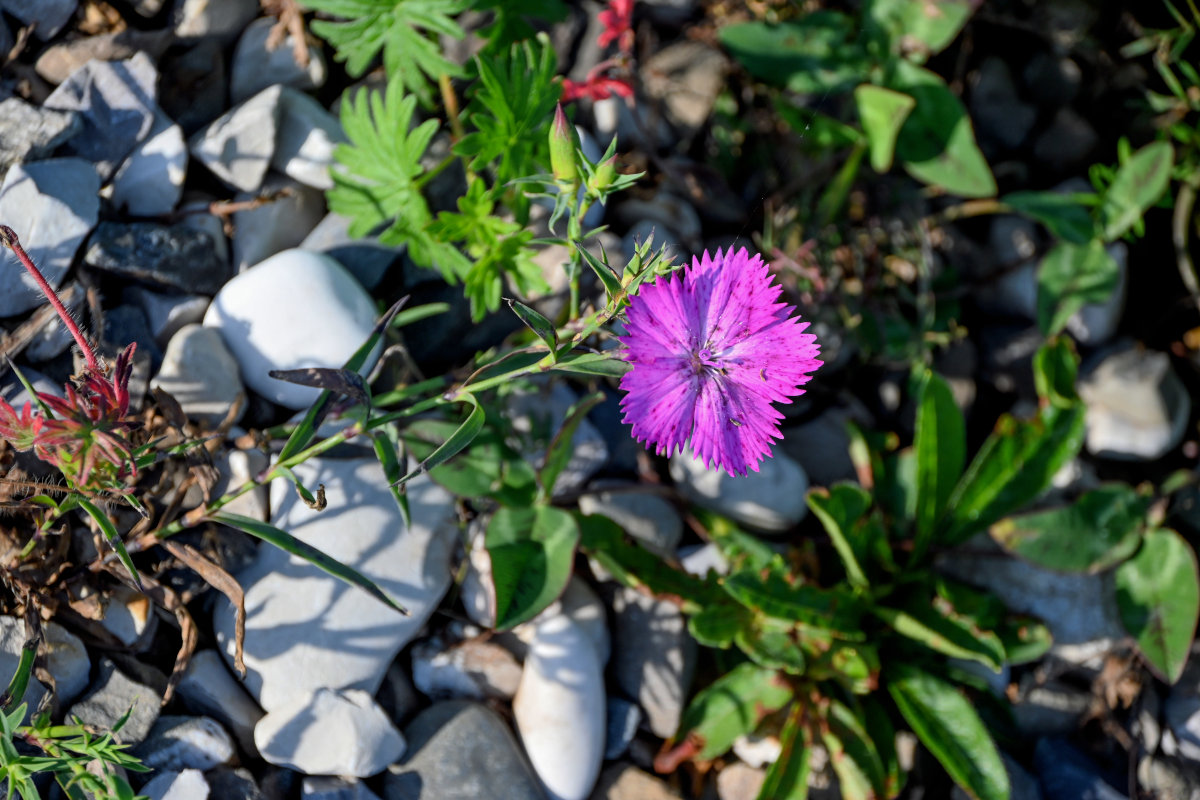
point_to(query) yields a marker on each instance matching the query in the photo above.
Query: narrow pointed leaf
(541, 326)
(1139, 183)
(110, 533)
(612, 283)
(787, 778)
(940, 444)
(290, 544)
(458, 441)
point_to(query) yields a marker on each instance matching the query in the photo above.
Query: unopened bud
(562, 149)
(605, 174)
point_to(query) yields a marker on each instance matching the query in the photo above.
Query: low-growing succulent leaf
(729, 707)
(940, 446)
(716, 625)
(1158, 595)
(852, 753)
(882, 113)
(1138, 184)
(1100, 529)
(532, 550)
(1071, 276)
(940, 627)
(1063, 214)
(946, 723)
(770, 592)
(937, 143)
(813, 54)
(405, 30)
(772, 643)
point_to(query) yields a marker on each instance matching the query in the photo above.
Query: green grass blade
(110, 533)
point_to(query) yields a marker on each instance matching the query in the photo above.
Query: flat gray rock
(281, 224)
(52, 206)
(330, 733)
(166, 256)
(307, 137)
(459, 750)
(653, 657)
(150, 182)
(186, 785)
(256, 66)
(305, 629)
(112, 694)
(770, 500)
(29, 133)
(208, 688)
(327, 787)
(116, 104)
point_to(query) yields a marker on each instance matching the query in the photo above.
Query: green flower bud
(562, 149)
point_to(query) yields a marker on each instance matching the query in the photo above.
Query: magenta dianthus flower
(712, 350)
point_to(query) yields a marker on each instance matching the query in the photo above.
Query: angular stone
(186, 785)
(52, 206)
(195, 95)
(325, 787)
(222, 20)
(649, 518)
(770, 500)
(307, 137)
(48, 16)
(150, 182)
(275, 226)
(307, 630)
(116, 104)
(330, 733)
(171, 256)
(29, 133)
(199, 371)
(471, 669)
(367, 259)
(459, 750)
(257, 65)
(208, 688)
(237, 147)
(1137, 407)
(627, 782)
(57, 62)
(111, 696)
(653, 657)
(166, 313)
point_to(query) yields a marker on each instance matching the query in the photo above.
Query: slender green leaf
(773, 594)
(532, 550)
(110, 533)
(15, 692)
(940, 447)
(541, 326)
(853, 754)
(942, 629)
(290, 544)
(1139, 183)
(1158, 595)
(787, 778)
(1070, 277)
(1095, 532)
(612, 283)
(882, 113)
(840, 509)
(489, 467)
(604, 365)
(945, 722)
(463, 435)
(731, 706)
(387, 443)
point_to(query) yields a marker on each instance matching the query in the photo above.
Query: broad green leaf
(560, 449)
(946, 723)
(853, 754)
(290, 544)
(1139, 183)
(933, 24)
(1062, 214)
(109, 530)
(817, 130)
(729, 707)
(882, 113)
(937, 144)
(1055, 367)
(841, 509)
(774, 595)
(636, 567)
(787, 777)
(773, 644)
(940, 628)
(1014, 466)
(717, 624)
(1158, 595)
(940, 447)
(1095, 532)
(532, 550)
(813, 54)
(1070, 277)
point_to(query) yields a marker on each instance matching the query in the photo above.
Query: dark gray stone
(178, 743)
(459, 750)
(233, 784)
(195, 95)
(653, 657)
(48, 16)
(367, 259)
(621, 720)
(125, 324)
(112, 695)
(1065, 773)
(328, 787)
(175, 256)
(29, 133)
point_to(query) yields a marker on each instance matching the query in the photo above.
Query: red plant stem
(8, 238)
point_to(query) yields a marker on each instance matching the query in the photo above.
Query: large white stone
(771, 499)
(330, 733)
(559, 709)
(150, 182)
(296, 309)
(307, 630)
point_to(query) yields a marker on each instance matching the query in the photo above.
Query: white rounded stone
(559, 709)
(295, 310)
(772, 499)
